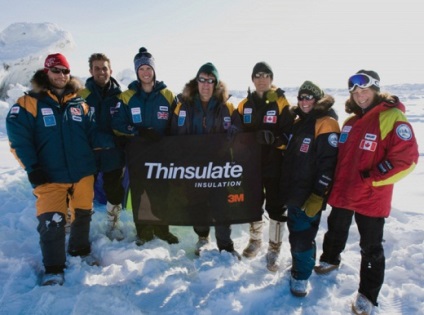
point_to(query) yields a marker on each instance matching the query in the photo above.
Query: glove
(265, 137)
(149, 134)
(38, 177)
(313, 205)
(231, 133)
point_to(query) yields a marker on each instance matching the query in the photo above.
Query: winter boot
(201, 243)
(362, 306)
(144, 234)
(276, 230)
(255, 240)
(298, 287)
(113, 231)
(79, 243)
(162, 232)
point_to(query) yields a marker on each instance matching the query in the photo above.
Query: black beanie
(262, 67)
(373, 75)
(311, 88)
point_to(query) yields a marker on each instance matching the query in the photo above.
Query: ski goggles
(305, 97)
(362, 81)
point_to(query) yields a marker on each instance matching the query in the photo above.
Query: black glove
(149, 134)
(265, 137)
(231, 133)
(38, 177)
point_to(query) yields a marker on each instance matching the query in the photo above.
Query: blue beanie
(142, 58)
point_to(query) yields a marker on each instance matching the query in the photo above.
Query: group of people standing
(64, 135)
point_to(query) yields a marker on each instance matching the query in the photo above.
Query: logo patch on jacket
(305, 145)
(14, 110)
(49, 121)
(227, 122)
(163, 115)
(404, 132)
(333, 139)
(46, 111)
(181, 118)
(136, 114)
(75, 111)
(247, 115)
(368, 145)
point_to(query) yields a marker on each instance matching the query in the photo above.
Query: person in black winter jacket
(307, 171)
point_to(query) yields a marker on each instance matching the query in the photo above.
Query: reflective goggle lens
(362, 81)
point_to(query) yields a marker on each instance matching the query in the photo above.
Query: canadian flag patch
(270, 119)
(368, 145)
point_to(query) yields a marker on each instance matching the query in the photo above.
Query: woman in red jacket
(377, 148)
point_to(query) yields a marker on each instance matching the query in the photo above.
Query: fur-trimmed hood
(322, 108)
(190, 91)
(40, 84)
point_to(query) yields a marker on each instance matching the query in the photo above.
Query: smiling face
(363, 97)
(146, 74)
(58, 79)
(306, 103)
(101, 72)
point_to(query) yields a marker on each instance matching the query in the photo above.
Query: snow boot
(255, 241)
(298, 287)
(276, 230)
(52, 279)
(325, 268)
(362, 306)
(201, 243)
(113, 230)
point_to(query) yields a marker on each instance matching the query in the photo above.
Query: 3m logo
(233, 198)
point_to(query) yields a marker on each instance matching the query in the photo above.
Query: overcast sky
(325, 41)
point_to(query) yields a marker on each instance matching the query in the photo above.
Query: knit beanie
(142, 58)
(54, 60)
(311, 88)
(373, 75)
(209, 68)
(262, 67)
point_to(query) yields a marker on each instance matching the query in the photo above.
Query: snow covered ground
(158, 278)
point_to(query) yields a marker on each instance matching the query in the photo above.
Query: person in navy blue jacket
(101, 94)
(53, 134)
(144, 110)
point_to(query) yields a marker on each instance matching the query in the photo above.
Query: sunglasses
(362, 81)
(305, 97)
(262, 75)
(57, 70)
(204, 80)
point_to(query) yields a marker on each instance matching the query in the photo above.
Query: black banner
(195, 179)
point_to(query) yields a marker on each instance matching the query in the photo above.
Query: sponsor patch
(49, 121)
(163, 108)
(14, 110)
(247, 111)
(343, 137)
(136, 115)
(271, 113)
(76, 118)
(333, 139)
(305, 145)
(46, 111)
(370, 136)
(346, 128)
(404, 132)
(368, 145)
(247, 119)
(181, 120)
